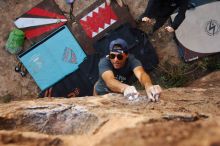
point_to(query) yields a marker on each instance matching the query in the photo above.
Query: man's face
(118, 59)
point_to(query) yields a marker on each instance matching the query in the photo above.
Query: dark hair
(120, 47)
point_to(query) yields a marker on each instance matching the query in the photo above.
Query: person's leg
(161, 20)
(149, 10)
(159, 23)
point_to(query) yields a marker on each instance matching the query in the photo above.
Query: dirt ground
(183, 117)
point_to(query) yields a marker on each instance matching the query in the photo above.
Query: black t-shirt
(123, 74)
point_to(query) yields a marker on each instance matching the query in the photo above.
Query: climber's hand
(153, 92)
(131, 93)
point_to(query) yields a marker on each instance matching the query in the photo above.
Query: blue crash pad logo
(212, 27)
(36, 63)
(69, 56)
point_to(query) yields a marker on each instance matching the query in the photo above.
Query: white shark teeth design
(96, 10)
(101, 29)
(94, 34)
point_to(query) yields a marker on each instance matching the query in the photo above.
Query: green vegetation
(171, 75)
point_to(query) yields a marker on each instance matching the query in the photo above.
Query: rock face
(183, 116)
(55, 119)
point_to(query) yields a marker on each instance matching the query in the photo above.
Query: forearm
(145, 80)
(116, 86)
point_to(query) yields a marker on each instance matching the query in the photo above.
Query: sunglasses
(119, 56)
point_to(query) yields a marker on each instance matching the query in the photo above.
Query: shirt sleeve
(181, 14)
(133, 62)
(104, 65)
